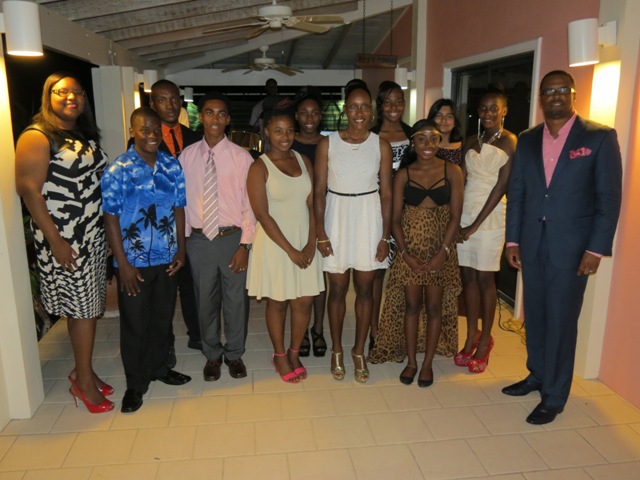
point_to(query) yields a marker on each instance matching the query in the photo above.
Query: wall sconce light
(585, 37)
(402, 77)
(188, 94)
(21, 22)
(150, 77)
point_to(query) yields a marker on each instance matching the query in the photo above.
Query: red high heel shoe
(76, 393)
(461, 359)
(479, 365)
(105, 389)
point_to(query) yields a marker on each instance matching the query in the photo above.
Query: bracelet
(326, 240)
(446, 249)
(386, 240)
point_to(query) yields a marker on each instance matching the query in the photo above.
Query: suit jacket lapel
(573, 141)
(539, 164)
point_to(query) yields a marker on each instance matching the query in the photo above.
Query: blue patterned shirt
(145, 200)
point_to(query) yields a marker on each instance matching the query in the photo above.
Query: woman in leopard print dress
(426, 211)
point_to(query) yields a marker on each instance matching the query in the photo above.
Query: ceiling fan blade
(308, 27)
(258, 31)
(232, 27)
(321, 19)
(287, 71)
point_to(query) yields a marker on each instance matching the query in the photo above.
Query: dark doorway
(513, 76)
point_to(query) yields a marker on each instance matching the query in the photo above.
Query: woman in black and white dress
(58, 168)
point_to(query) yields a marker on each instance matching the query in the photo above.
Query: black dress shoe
(211, 370)
(520, 389)
(131, 401)
(236, 368)
(174, 378)
(543, 414)
(195, 344)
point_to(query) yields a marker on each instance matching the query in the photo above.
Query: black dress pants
(145, 322)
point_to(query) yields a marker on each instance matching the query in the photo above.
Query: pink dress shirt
(552, 147)
(232, 166)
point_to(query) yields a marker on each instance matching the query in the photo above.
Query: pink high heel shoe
(290, 377)
(300, 371)
(461, 359)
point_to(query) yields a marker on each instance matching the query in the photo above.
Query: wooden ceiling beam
(210, 41)
(337, 45)
(184, 52)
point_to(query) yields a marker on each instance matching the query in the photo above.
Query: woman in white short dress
(488, 158)
(284, 265)
(353, 214)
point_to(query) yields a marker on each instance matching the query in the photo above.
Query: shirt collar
(564, 130)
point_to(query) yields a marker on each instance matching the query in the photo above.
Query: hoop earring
(502, 123)
(479, 123)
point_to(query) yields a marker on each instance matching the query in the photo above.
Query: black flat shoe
(544, 414)
(305, 346)
(520, 389)
(174, 378)
(319, 344)
(131, 401)
(406, 379)
(425, 383)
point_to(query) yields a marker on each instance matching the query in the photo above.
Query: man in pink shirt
(220, 227)
(563, 204)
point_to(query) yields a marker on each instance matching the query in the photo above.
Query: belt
(222, 231)
(353, 194)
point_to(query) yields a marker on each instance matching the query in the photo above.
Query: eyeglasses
(365, 107)
(547, 92)
(65, 92)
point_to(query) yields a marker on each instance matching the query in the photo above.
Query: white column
(113, 88)
(21, 391)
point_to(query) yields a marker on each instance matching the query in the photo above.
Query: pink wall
(461, 28)
(619, 355)
(506, 22)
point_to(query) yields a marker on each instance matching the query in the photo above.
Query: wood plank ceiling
(170, 33)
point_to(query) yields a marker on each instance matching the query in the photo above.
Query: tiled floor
(260, 427)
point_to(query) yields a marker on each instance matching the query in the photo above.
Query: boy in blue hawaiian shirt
(144, 195)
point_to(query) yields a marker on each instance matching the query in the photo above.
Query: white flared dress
(271, 272)
(353, 216)
(483, 249)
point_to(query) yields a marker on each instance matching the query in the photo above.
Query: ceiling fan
(265, 63)
(274, 17)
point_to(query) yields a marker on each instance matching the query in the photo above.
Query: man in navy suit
(563, 203)
(165, 100)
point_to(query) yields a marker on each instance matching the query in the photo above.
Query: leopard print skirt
(423, 229)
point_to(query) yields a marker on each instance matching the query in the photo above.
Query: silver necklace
(492, 139)
(355, 146)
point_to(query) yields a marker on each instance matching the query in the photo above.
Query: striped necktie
(210, 203)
